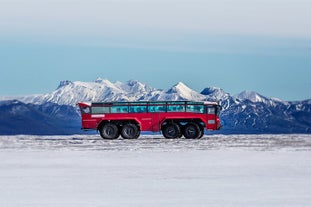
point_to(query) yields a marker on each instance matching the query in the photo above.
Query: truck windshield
(85, 109)
(213, 110)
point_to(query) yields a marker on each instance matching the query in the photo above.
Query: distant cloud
(152, 18)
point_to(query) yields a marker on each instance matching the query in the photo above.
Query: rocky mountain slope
(56, 112)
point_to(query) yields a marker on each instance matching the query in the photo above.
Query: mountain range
(57, 113)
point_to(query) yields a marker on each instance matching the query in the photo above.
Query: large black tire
(130, 131)
(138, 134)
(109, 131)
(192, 131)
(201, 133)
(171, 131)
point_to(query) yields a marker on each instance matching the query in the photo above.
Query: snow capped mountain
(136, 90)
(219, 95)
(70, 93)
(21, 118)
(133, 86)
(251, 96)
(14, 107)
(255, 97)
(215, 93)
(181, 92)
(247, 112)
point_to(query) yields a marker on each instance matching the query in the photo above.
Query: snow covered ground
(218, 170)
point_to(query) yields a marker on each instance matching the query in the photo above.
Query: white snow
(181, 91)
(256, 98)
(215, 93)
(219, 170)
(251, 96)
(70, 93)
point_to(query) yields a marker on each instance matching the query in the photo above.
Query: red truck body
(150, 116)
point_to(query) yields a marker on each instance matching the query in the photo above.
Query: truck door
(211, 117)
(155, 110)
(156, 122)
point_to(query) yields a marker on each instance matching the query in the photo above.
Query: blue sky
(257, 45)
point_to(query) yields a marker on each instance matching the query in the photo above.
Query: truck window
(100, 110)
(211, 110)
(195, 108)
(137, 109)
(119, 109)
(175, 108)
(85, 110)
(156, 108)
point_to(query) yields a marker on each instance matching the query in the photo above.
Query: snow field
(155, 173)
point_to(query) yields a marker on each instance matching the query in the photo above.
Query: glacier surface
(219, 170)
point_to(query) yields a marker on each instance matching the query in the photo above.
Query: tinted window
(211, 110)
(119, 109)
(100, 110)
(156, 108)
(175, 108)
(195, 108)
(137, 109)
(85, 110)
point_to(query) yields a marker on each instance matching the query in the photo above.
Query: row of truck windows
(144, 109)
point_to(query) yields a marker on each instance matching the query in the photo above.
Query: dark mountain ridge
(57, 113)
